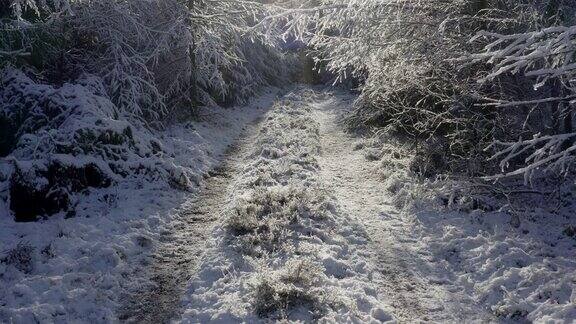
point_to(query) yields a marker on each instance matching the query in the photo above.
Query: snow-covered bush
(68, 139)
(85, 83)
(294, 286)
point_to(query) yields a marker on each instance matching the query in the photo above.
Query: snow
(513, 256)
(520, 273)
(403, 280)
(301, 258)
(83, 267)
(453, 263)
(311, 224)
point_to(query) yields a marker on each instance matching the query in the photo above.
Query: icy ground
(298, 220)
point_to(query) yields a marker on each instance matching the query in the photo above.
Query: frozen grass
(294, 286)
(21, 256)
(265, 221)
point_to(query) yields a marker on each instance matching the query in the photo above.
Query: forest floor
(297, 220)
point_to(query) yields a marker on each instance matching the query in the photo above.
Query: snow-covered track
(183, 245)
(414, 289)
(284, 250)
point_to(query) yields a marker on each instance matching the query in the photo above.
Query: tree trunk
(193, 92)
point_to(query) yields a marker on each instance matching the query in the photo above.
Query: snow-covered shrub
(71, 138)
(49, 127)
(296, 285)
(85, 84)
(264, 221)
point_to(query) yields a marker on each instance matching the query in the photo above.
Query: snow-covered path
(415, 288)
(355, 256)
(283, 249)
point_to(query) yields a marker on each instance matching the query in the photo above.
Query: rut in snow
(181, 248)
(414, 288)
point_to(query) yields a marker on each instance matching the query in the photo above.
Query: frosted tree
(402, 54)
(85, 85)
(548, 56)
(149, 53)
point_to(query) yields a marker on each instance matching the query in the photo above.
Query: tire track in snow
(182, 247)
(414, 288)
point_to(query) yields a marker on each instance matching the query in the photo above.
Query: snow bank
(79, 269)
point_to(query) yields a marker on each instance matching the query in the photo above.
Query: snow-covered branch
(541, 153)
(545, 54)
